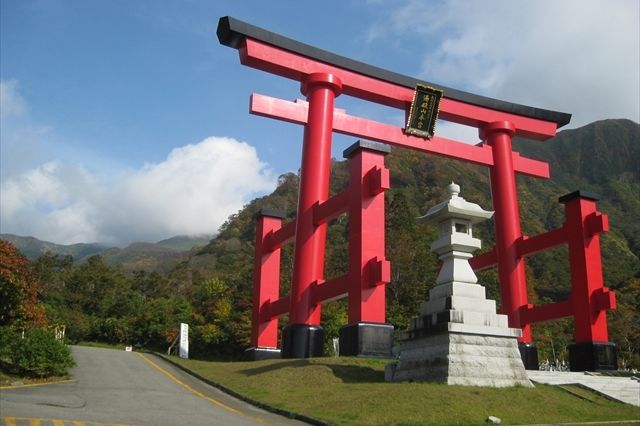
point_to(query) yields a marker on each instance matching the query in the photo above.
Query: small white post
(184, 340)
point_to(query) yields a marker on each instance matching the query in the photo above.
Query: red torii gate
(323, 76)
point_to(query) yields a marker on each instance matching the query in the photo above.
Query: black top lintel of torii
(232, 32)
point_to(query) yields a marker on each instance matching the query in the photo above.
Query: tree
(159, 320)
(413, 267)
(38, 353)
(19, 288)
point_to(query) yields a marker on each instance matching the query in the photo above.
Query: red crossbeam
(296, 112)
(276, 239)
(484, 261)
(287, 64)
(323, 292)
(327, 291)
(527, 246)
(333, 207)
(531, 314)
(275, 309)
(323, 212)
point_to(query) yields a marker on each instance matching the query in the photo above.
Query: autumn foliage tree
(18, 290)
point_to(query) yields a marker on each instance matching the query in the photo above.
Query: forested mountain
(603, 157)
(211, 287)
(32, 248)
(149, 257)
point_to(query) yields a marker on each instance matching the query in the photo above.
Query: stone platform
(461, 359)
(460, 340)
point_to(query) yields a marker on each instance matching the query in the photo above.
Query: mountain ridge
(32, 247)
(161, 255)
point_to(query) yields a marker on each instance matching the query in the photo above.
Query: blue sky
(127, 120)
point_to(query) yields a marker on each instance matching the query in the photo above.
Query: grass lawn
(352, 391)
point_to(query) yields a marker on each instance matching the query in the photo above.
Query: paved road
(118, 387)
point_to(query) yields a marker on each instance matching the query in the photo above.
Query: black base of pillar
(593, 356)
(366, 339)
(529, 355)
(302, 341)
(258, 354)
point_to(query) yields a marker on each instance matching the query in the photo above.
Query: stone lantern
(458, 338)
(455, 218)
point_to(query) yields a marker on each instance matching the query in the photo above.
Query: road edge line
(259, 404)
(31, 385)
(188, 387)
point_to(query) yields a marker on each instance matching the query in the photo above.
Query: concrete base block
(366, 339)
(593, 356)
(258, 354)
(529, 355)
(302, 341)
(462, 359)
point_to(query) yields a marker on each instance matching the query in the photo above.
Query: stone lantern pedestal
(459, 338)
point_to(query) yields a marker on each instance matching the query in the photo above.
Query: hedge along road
(110, 386)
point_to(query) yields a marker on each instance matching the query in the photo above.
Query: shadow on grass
(346, 373)
(357, 374)
(275, 366)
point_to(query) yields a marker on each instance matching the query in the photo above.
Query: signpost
(184, 340)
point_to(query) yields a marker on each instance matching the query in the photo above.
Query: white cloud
(192, 192)
(11, 103)
(21, 141)
(575, 56)
(458, 132)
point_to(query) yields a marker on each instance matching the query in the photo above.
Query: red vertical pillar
(511, 272)
(368, 269)
(367, 333)
(589, 297)
(303, 337)
(266, 288)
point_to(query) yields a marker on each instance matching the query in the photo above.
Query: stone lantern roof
(456, 207)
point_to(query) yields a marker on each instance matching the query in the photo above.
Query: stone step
(420, 329)
(624, 389)
(490, 319)
(488, 365)
(457, 373)
(459, 289)
(458, 303)
(484, 330)
(432, 351)
(462, 317)
(488, 381)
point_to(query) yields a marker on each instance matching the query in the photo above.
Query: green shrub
(7, 339)
(40, 354)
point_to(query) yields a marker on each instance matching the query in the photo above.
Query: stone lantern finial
(453, 190)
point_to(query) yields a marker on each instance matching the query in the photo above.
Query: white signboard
(184, 340)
